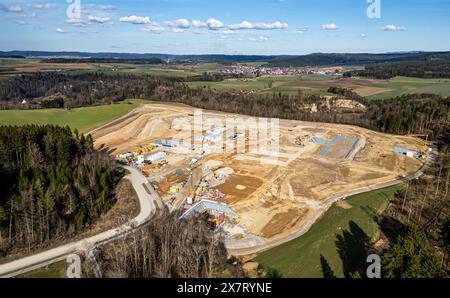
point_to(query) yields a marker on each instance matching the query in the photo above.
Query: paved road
(325, 206)
(147, 205)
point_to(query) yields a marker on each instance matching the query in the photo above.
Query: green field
(84, 119)
(56, 270)
(266, 84)
(404, 85)
(318, 84)
(301, 257)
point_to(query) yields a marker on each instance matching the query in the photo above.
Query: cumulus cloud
(11, 8)
(393, 28)
(199, 24)
(177, 30)
(136, 20)
(258, 26)
(363, 35)
(42, 5)
(180, 23)
(59, 30)
(330, 26)
(214, 24)
(98, 19)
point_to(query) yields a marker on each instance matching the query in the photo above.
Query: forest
(165, 247)
(54, 185)
(407, 114)
(417, 69)
(55, 90)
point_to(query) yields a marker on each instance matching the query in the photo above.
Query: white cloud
(298, 31)
(199, 24)
(393, 28)
(258, 26)
(136, 20)
(260, 38)
(59, 30)
(177, 30)
(363, 35)
(98, 19)
(152, 28)
(214, 24)
(11, 8)
(99, 7)
(42, 5)
(227, 32)
(75, 22)
(331, 26)
(21, 22)
(180, 23)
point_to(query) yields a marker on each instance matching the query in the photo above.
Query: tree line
(417, 69)
(407, 114)
(165, 247)
(62, 90)
(54, 184)
(416, 113)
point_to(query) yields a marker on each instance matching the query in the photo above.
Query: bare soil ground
(273, 195)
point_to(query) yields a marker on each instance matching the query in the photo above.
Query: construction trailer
(140, 159)
(126, 155)
(168, 143)
(155, 157)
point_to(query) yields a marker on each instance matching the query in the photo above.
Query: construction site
(254, 184)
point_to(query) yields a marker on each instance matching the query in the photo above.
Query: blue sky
(225, 26)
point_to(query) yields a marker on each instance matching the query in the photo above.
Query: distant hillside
(321, 59)
(316, 59)
(104, 60)
(165, 57)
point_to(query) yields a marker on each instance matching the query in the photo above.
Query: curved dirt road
(148, 204)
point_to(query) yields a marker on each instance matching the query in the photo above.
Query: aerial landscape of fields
(222, 147)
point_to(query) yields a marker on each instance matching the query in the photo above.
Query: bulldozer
(162, 163)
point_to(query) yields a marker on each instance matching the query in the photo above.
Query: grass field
(267, 84)
(319, 84)
(56, 270)
(403, 85)
(301, 257)
(84, 119)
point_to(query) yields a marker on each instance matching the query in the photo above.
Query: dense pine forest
(54, 184)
